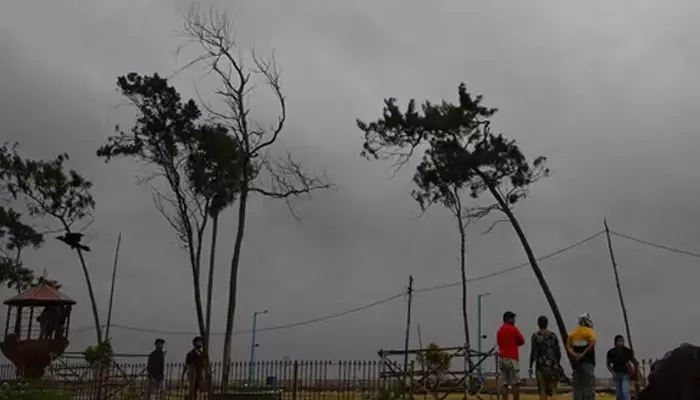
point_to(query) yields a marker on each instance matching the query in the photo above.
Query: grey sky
(607, 91)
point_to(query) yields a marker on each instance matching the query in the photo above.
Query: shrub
(25, 391)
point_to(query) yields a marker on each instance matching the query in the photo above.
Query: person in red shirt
(509, 339)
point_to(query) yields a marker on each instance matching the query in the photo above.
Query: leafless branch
(476, 213)
(288, 179)
(91, 220)
(164, 206)
(493, 225)
(213, 32)
(268, 69)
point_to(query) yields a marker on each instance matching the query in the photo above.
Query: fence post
(295, 379)
(411, 383)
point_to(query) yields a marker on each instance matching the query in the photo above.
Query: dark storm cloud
(608, 93)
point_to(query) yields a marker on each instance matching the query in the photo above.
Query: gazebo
(36, 329)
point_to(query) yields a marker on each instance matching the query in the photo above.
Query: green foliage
(201, 163)
(46, 186)
(163, 124)
(99, 355)
(24, 391)
(15, 236)
(434, 358)
(215, 165)
(15, 233)
(43, 280)
(24, 181)
(460, 152)
(131, 392)
(386, 394)
(167, 134)
(48, 189)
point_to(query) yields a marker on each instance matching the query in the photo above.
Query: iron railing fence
(293, 380)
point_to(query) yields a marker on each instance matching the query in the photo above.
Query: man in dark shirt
(545, 355)
(48, 321)
(156, 369)
(196, 369)
(622, 364)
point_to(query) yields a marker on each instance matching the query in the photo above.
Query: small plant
(131, 393)
(384, 394)
(23, 391)
(99, 355)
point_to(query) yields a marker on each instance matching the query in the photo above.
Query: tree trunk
(533, 263)
(468, 362)
(463, 271)
(196, 261)
(91, 293)
(210, 283)
(198, 296)
(233, 281)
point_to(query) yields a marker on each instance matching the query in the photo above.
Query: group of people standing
(196, 373)
(546, 354)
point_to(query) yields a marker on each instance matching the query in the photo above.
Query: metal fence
(293, 380)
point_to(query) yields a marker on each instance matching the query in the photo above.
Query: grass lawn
(179, 395)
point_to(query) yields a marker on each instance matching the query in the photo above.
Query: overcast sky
(608, 92)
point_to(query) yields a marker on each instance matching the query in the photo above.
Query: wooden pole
(621, 297)
(420, 338)
(111, 290)
(408, 336)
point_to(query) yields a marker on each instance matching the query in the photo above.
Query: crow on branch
(73, 240)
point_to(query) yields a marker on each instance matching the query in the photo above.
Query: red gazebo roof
(40, 295)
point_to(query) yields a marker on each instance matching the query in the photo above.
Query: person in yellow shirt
(581, 347)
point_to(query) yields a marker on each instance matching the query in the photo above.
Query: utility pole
(619, 294)
(253, 345)
(408, 335)
(478, 325)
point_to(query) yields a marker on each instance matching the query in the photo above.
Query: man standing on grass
(621, 363)
(156, 370)
(196, 369)
(509, 339)
(581, 347)
(545, 355)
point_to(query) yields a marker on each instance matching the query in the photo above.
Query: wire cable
(356, 309)
(275, 327)
(511, 269)
(656, 245)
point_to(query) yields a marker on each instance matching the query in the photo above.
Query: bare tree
(261, 171)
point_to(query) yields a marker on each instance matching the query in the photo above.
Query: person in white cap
(581, 348)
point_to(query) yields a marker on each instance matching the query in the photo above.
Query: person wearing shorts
(509, 339)
(545, 355)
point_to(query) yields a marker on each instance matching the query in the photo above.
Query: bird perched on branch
(73, 240)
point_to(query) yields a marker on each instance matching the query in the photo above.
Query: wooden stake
(111, 290)
(408, 336)
(622, 299)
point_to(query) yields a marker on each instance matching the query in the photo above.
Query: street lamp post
(478, 323)
(253, 345)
